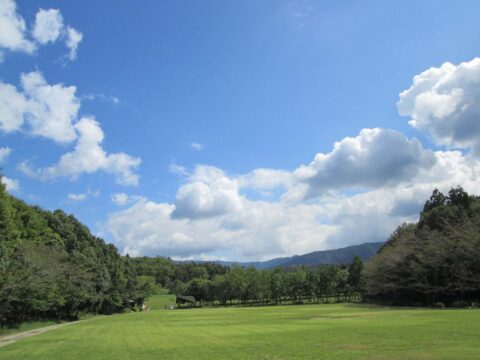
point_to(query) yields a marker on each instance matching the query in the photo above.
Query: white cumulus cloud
(13, 29)
(259, 229)
(266, 179)
(10, 184)
(444, 102)
(89, 157)
(376, 157)
(13, 107)
(51, 108)
(39, 108)
(358, 192)
(51, 111)
(208, 193)
(48, 26)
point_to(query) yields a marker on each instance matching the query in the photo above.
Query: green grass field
(158, 302)
(339, 331)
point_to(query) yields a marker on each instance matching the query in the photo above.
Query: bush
(460, 304)
(439, 305)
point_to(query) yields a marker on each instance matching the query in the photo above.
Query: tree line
(52, 267)
(213, 284)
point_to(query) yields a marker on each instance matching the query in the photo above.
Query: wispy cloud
(178, 169)
(4, 153)
(120, 198)
(77, 197)
(102, 98)
(197, 146)
(83, 196)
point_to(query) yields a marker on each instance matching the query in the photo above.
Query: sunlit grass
(337, 331)
(158, 302)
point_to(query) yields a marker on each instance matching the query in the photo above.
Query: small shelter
(189, 300)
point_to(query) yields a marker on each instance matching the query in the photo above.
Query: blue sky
(219, 110)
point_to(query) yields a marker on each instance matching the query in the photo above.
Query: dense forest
(435, 261)
(211, 283)
(51, 266)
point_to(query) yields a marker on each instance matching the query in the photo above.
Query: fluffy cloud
(376, 157)
(47, 110)
(51, 111)
(13, 107)
(266, 179)
(208, 193)
(210, 216)
(51, 108)
(444, 102)
(48, 26)
(89, 157)
(10, 184)
(4, 153)
(360, 191)
(12, 35)
(260, 229)
(147, 227)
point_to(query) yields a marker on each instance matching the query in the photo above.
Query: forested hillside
(435, 261)
(51, 266)
(325, 257)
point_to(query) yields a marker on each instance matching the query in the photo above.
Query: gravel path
(10, 339)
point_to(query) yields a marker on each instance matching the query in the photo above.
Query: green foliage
(356, 279)
(52, 267)
(436, 260)
(147, 286)
(213, 284)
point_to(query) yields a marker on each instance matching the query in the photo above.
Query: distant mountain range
(337, 256)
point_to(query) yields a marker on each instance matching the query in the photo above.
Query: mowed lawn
(158, 302)
(340, 331)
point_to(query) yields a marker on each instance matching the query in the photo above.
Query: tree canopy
(51, 266)
(436, 260)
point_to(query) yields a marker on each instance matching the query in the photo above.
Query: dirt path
(10, 339)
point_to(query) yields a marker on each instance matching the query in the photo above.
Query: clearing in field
(343, 331)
